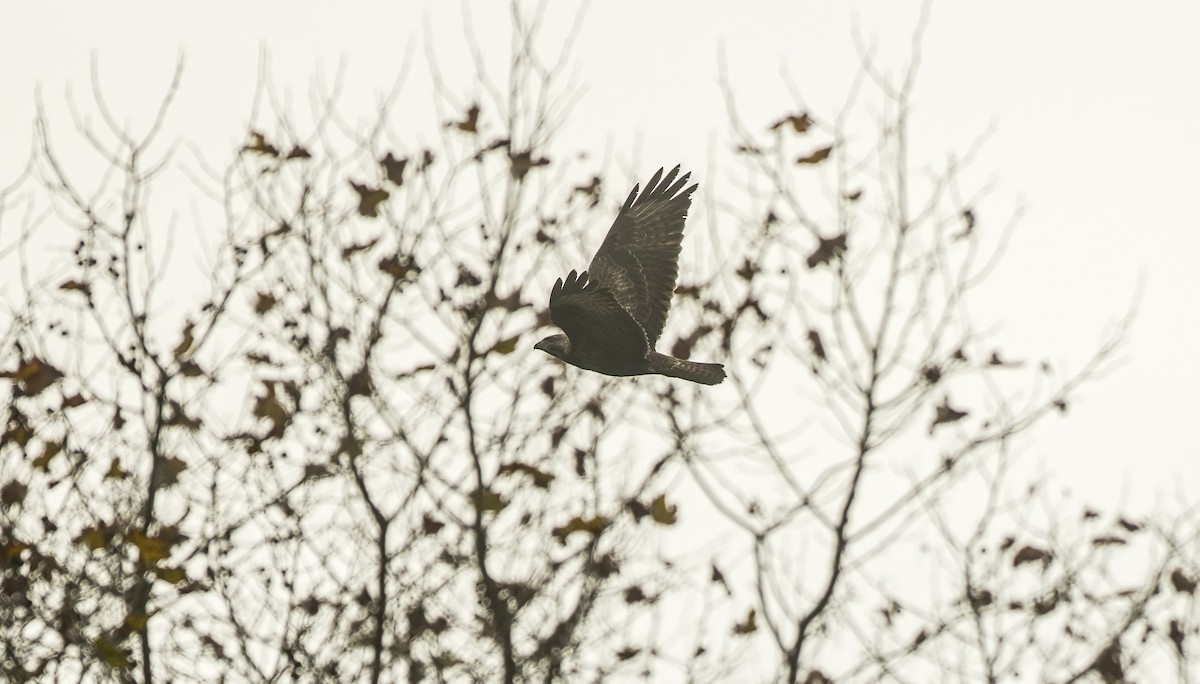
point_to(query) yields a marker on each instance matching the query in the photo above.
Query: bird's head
(555, 345)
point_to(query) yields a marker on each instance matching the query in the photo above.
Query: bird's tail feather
(703, 373)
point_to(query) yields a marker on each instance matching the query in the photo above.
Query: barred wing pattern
(639, 259)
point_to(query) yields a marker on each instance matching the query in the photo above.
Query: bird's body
(613, 313)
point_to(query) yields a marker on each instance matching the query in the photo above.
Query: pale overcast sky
(1096, 107)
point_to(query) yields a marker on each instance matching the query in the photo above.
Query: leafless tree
(328, 453)
(889, 536)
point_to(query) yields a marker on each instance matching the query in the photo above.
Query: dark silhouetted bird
(613, 313)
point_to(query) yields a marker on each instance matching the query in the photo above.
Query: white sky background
(1096, 106)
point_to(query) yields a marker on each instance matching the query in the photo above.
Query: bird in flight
(613, 313)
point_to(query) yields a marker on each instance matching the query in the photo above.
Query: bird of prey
(613, 313)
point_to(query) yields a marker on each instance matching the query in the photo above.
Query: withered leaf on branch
(299, 152)
(467, 277)
(429, 525)
(683, 346)
(116, 472)
(1129, 525)
(497, 144)
(931, 374)
(827, 250)
(628, 653)
(1108, 664)
(269, 407)
(523, 162)
(604, 566)
(369, 199)
(558, 431)
(747, 626)
(13, 493)
(662, 512)
(34, 376)
(359, 384)
(349, 445)
(95, 537)
(469, 123)
(634, 594)
(747, 270)
(541, 479)
(891, 611)
(393, 168)
(168, 470)
(595, 408)
(258, 144)
(112, 653)
(637, 509)
(815, 343)
(995, 360)
(264, 241)
(77, 286)
(1046, 604)
(981, 598)
(593, 525)
(718, 577)
(178, 418)
(591, 191)
(49, 451)
(1182, 583)
(486, 500)
(187, 339)
(968, 217)
(316, 471)
(172, 575)
(945, 413)
(357, 247)
(261, 358)
(1176, 635)
(1031, 554)
(150, 548)
(800, 123)
(73, 401)
(397, 266)
(419, 622)
(816, 156)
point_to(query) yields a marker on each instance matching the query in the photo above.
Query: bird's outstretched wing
(639, 259)
(595, 323)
